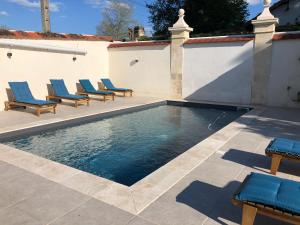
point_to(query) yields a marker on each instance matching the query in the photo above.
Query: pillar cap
(181, 25)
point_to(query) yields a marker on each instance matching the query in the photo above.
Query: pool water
(128, 147)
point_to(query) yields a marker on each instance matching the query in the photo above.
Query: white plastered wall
(37, 67)
(145, 69)
(218, 72)
(285, 72)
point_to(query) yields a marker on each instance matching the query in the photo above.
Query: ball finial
(267, 2)
(181, 12)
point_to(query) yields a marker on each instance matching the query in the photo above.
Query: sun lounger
(270, 196)
(60, 92)
(22, 97)
(280, 149)
(88, 89)
(109, 86)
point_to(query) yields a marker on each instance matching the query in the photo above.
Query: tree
(116, 19)
(205, 16)
(163, 14)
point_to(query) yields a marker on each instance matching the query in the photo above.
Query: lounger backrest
(87, 85)
(108, 84)
(21, 91)
(59, 87)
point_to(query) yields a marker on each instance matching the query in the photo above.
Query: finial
(267, 3)
(181, 23)
(266, 14)
(181, 12)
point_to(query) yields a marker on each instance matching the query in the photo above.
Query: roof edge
(14, 34)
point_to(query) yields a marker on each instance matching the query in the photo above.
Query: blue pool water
(128, 147)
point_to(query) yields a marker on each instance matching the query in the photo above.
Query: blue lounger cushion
(271, 191)
(61, 90)
(109, 85)
(89, 88)
(284, 146)
(23, 94)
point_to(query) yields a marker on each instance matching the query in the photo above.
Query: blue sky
(74, 16)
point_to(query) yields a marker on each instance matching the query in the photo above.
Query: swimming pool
(127, 147)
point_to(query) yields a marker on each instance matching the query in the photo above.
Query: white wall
(38, 67)
(285, 72)
(218, 72)
(149, 76)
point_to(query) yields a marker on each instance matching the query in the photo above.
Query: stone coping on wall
(220, 39)
(286, 36)
(138, 44)
(12, 34)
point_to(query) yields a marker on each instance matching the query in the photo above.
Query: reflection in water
(127, 148)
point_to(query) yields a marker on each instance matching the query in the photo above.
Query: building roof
(278, 4)
(50, 36)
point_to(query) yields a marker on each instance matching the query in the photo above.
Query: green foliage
(163, 14)
(116, 19)
(205, 16)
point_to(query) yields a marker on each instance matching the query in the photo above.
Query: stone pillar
(180, 33)
(264, 29)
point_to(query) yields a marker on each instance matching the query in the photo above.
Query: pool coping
(136, 198)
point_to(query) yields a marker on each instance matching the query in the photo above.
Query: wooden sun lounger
(124, 92)
(80, 91)
(276, 160)
(77, 102)
(11, 103)
(38, 108)
(278, 156)
(251, 209)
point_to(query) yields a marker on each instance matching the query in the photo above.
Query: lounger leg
(38, 111)
(76, 104)
(6, 104)
(131, 94)
(104, 97)
(54, 109)
(88, 102)
(249, 214)
(124, 94)
(276, 159)
(113, 97)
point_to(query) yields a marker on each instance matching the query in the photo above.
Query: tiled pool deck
(195, 188)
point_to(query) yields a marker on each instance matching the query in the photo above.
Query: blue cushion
(59, 87)
(109, 85)
(74, 97)
(21, 91)
(87, 85)
(23, 94)
(37, 102)
(271, 191)
(101, 92)
(284, 146)
(61, 90)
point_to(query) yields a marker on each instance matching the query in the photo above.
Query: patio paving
(201, 197)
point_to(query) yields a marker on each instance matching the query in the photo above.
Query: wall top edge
(286, 36)
(31, 35)
(138, 44)
(217, 39)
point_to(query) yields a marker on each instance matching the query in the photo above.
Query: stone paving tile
(95, 212)
(13, 216)
(52, 202)
(20, 186)
(139, 221)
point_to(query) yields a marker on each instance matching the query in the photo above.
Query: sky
(75, 16)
